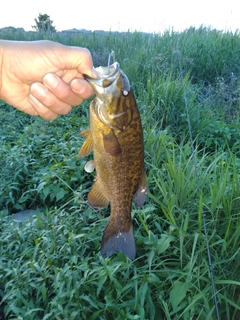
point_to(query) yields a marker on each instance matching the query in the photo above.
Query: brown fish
(116, 138)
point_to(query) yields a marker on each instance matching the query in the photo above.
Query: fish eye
(125, 93)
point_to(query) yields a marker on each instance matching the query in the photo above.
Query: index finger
(80, 59)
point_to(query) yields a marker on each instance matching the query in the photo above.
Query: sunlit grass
(52, 268)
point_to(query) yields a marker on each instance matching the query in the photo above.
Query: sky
(147, 16)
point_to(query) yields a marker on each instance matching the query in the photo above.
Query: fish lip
(110, 85)
(107, 79)
(110, 73)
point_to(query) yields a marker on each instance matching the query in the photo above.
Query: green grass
(52, 269)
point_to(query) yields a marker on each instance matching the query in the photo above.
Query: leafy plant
(51, 268)
(43, 23)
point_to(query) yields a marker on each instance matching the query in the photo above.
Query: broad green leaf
(178, 293)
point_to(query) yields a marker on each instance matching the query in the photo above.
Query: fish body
(116, 138)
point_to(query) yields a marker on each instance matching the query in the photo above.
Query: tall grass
(51, 268)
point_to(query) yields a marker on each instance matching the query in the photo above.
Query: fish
(116, 139)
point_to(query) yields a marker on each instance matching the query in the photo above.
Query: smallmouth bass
(116, 139)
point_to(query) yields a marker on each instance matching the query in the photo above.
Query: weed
(51, 268)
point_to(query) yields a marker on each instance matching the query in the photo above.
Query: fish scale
(116, 138)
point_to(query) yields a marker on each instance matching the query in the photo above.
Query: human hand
(43, 77)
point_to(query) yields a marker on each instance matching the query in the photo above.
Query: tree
(43, 23)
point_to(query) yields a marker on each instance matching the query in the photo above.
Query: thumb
(80, 59)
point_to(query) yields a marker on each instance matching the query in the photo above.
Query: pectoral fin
(111, 143)
(96, 198)
(140, 195)
(87, 147)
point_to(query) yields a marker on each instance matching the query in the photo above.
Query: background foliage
(43, 23)
(52, 268)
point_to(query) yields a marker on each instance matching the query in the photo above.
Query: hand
(43, 77)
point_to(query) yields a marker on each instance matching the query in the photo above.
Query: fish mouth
(109, 87)
(107, 81)
(106, 76)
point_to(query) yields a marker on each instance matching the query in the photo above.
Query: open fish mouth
(106, 75)
(111, 89)
(107, 80)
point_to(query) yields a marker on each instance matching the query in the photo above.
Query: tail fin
(118, 241)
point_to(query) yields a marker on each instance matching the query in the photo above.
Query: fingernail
(50, 80)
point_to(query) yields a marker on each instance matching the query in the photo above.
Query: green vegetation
(43, 23)
(52, 269)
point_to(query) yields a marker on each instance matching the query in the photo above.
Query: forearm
(1, 65)
(5, 69)
(12, 60)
